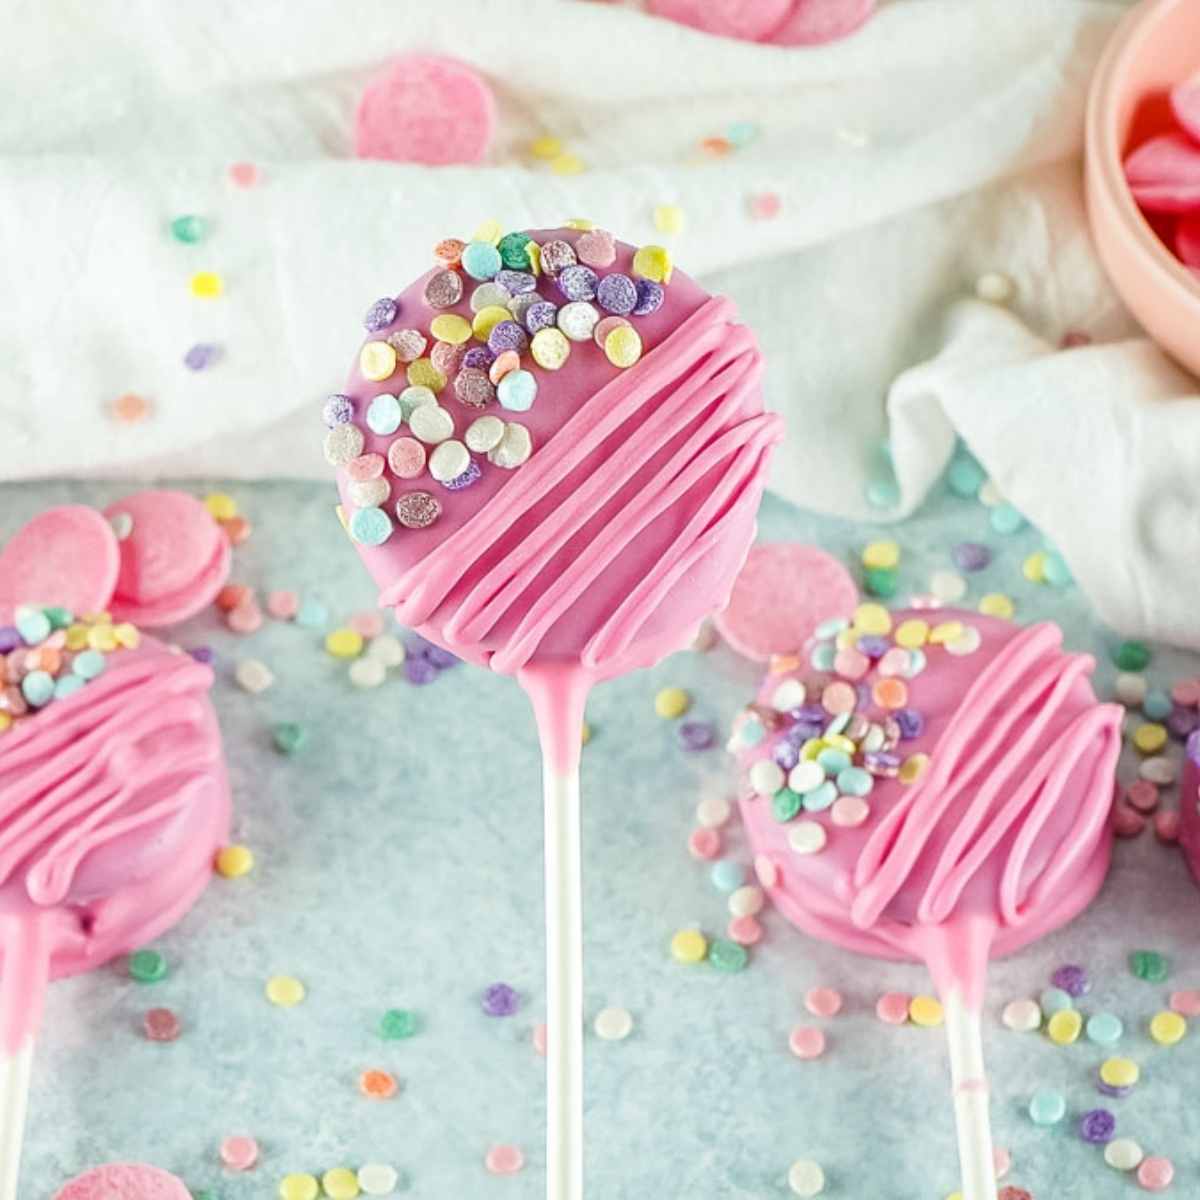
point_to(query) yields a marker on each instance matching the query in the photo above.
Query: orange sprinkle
(233, 595)
(44, 658)
(890, 693)
(237, 529)
(784, 662)
(718, 147)
(377, 1085)
(449, 251)
(131, 408)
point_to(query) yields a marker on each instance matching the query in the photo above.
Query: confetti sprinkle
(500, 1000)
(206, 285)
(504, 1160)
(377, 1085)
(147, 966)
(233, 862)
(161, 1025)
(285, 991)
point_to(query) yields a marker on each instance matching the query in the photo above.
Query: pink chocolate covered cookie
(124, 1181)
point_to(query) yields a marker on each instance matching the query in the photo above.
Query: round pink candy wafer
(1185, 103)
(426, 109)
(67, 556)
(1164, 174)
(174, 561)
(749, 20)
(784, 591)
(815, 21)
(124, 1181)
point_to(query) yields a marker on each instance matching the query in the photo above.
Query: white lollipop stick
(15, 1070)
(558, 696)
(976, 1160)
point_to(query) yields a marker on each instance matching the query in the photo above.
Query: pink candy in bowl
(1155, 49)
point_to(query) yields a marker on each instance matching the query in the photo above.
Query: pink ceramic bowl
(1156, 46)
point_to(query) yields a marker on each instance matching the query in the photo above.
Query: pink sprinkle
(765, 206)
(1002, 1161)
(368, 624)
(1143, 795)
(283, 606)
(406, 457)
(539, 1039)
(161, 1025)
(239, 1153)
(1186, 692)
(1155, 1174)
(504, 1160)
(892, 1008)
(851, 663)
(806, 1041)
(1186, 1003)
(746, 931)
(823, 1001)
(849, 811)
(364, 467)
(766, 870)
(244, 175)
(704, 844)
(246, 618)
(1127, 822)
(1166, 826)
(508, 360)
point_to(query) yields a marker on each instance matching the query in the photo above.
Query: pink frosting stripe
(710, 370)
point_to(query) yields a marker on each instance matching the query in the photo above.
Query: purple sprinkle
(813, 714)
(1109, 1089)
(1193, 747)
(874, 646)
(971, 556)
(1072, 979)
(1183, 722)
(441, 658)
(419, 670)
(882, 762)
(910, 722)
(617, 293)
(697, 735)
(1097, 1126)
(478, 358)
(339, 410)
(517, 282)
(10, 639)
(202, 654)
(650, 296)
(507, 335)
(201, 355)
(381, 314)
(542, 315)
(500, 1000)
(802, 731)
(786, 753)
(577, 283)
(469, 476)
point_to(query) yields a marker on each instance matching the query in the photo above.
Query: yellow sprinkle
(947, 631)
(881, 555)
(585, 734)
(377, 360)
(1119, 1072)
(490, 231)
(486, 319)
(689, 946)
(127, 635)
(77, 637)
(235, 861)
(838, 741)
(340, 511)
(847, 638)
(207, 285)
(285, 991)
(450, 327)
(550, 348)
(340, 1184)
(672, 702)
(1167, 1028)
(580, 223)
(422, 373)
(668, 218)
(103, 638)
(221, 506)
(344, 643)
(1034, 567)
(912, 768)
(912, 634)
(1150, 738)
(997, 604)
(623, 346)
(925, 1011)
(5, 722)
(535, 257)
(566, 164)
(653, 263)
(546, 147)
(872, 618)
(1064, 1027)
(299, 1187)
(955, 1196)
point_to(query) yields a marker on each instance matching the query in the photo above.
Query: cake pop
(550, 455)
(932, 785)
(113, 793)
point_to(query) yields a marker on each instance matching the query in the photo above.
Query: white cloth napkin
(941, 142)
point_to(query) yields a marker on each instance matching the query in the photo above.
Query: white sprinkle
(1123, 1154)
(369, 493)
(805, 776)
(995, 287)
(388, 649)
(342, 443)
(253, 676)
(488, 294)
(431, 423)
(377, 1179)
(1159, 769)
(806, 1178)
(484, 434)
(766, 777)
(578, 319)
(947, 586)
(613, 1024)
(712, 812)
(766, 872)
(1022, 1016)
(788, 695)
(1131, 689)
(449, 461)
(705, 639)
(966, 643)
(746, 901)
(367, 672)
(514, 449)
(807, 837)
(415, 397)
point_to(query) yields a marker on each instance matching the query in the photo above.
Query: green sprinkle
(513, 252)
(883, 582)
(785, 804)
(204, 1194)
(289, 737)
(965, 476)
(883, 492)
(1149, 965)
(397, 1024)
(1132, 656)
(147, 966)
(1055, 570)
(59, 618)
(727, 956)
(189, 229)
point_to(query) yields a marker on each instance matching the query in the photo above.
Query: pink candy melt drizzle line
(714, 369)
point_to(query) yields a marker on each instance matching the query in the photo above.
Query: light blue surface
(399, 865)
